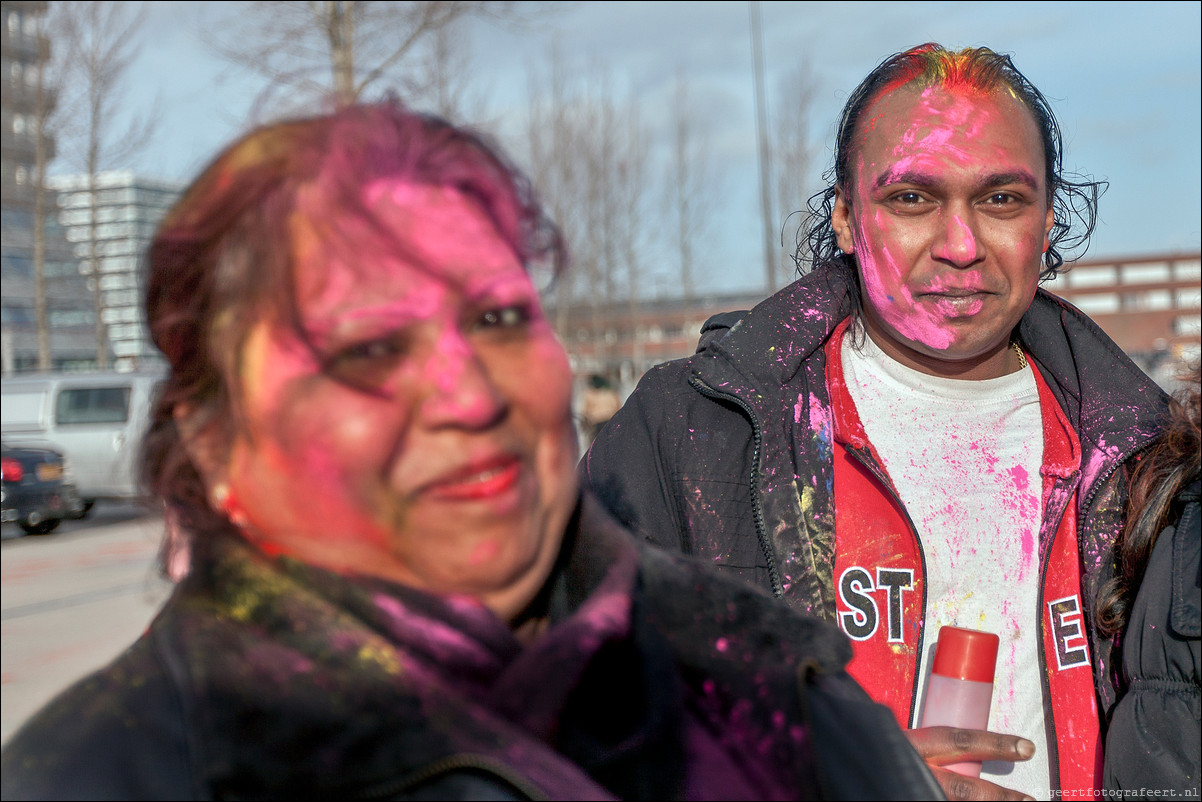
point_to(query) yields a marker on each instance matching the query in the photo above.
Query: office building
(70, 327)
(127, 209)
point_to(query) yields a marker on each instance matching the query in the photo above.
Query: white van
(96, 419)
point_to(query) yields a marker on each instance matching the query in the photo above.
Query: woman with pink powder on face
(390, 583)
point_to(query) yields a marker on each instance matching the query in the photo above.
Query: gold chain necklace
(1022, 358)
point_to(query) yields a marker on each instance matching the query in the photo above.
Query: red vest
(880, 582)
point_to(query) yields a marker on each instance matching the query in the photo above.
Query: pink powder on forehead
(402, 193)
(416, 303)
(951, 104)
(934, 128)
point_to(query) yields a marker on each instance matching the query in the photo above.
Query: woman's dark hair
(1164, 471)
(222, 259)
(978, 68)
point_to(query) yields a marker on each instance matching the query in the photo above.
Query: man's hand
(939, 746)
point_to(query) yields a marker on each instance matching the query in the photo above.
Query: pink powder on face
(399, 193)
(484, 552)
(902, 314)
(944, 139)
(961, 242)
(451, 362)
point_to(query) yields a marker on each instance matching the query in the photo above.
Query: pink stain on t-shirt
(1022, 480)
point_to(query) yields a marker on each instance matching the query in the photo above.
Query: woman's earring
(221, 497)
(225, 504)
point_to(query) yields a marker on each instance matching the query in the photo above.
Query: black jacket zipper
(761, 529)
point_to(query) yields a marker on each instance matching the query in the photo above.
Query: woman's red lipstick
(480, 481)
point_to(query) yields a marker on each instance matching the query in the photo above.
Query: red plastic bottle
(961, 686)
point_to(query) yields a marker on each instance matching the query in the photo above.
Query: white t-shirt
(965, 458)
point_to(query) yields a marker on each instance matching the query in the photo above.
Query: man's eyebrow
(1015, 177)
(904, 177)
(920, 179)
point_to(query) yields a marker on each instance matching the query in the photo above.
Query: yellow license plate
(48, 473)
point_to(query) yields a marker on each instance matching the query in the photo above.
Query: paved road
(72, 601)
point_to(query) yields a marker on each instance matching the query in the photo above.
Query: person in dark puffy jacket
(391, 585)
(1154, 742)
(915, 434)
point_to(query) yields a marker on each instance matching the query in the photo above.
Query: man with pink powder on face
(913, 434)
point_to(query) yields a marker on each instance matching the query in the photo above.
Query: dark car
(36, 492)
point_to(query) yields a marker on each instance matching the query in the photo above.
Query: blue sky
(1125, 80)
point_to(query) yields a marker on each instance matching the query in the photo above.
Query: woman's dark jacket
(1155, 736)
(728, 454)
(657, 679)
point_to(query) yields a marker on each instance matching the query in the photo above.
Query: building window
(1183, 271)
(1101, 304)
(11, 315)
(1090, 277)
(15, 265)
(1151, 300)
(1187, 325)
(61, 269)
(92, 405)
(1191, 298)
(70, 317)
(117, 281)
(1145, 274)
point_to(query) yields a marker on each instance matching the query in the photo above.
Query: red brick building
(1148, 304)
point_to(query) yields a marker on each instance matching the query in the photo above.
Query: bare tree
(444, 73)
(632, 232)
(767, 214)
(690, 184)
(45, 106)
(551, 135)
(589, 157)
(101, 41)
(341, 48)
(794, 151)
